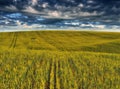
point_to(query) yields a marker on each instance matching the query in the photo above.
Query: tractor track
(47, 85)
(55, 76)
(14, 40)
(60, 75)
(74, 70)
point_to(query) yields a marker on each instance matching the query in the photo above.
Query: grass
(59, 60)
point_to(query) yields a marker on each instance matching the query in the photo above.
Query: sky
(63, 7)
(84, 13)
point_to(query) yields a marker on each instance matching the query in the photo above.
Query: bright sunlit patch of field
(60, 60)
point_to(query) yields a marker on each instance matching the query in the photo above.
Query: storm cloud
(62, 14)
(67, 8)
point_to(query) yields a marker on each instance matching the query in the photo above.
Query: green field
(60, 60)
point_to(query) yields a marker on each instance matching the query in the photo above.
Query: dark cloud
(60, 13)
(106, 6)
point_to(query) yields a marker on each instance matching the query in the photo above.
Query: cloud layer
(62, 14)
(63, 8)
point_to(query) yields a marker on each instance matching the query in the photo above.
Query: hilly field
(60, 60)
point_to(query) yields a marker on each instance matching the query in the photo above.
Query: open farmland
(59, 60)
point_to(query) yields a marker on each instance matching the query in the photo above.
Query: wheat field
(60, 60)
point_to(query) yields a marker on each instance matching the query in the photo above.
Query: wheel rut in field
(14, 40)
(60, 76)
(74, 70)
(55, 76)
(47, 85)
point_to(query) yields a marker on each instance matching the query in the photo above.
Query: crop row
(59, 70)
